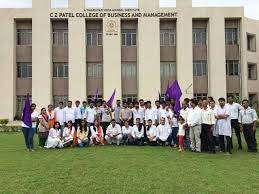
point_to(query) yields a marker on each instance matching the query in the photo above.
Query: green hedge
(10, 128)
(4, 122)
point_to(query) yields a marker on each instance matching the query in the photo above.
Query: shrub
(4, 122)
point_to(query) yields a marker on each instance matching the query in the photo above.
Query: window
(20, 103)
(252, 71)
(251, 42)
(24, 37)
(91, 97)
(231, 36)
(60, 37)
(168, 69)
(94, 3)
(129, 98)
(128, 38)
(199, 35)
(232, 68)
(24, 70)
(129, 70)
(94, 38)
(167, 37)
(95, 70)
(199, 68)
(57, 99)
(199, 96)
(60, 70)
(59, 3)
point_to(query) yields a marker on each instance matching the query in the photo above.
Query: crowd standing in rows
(200, 126)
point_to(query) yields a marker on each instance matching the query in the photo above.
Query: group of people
(200, 126)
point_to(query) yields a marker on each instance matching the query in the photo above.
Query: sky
(251, 6)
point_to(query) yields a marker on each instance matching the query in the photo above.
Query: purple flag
(110, 101)
(26, 115)
(176, 95)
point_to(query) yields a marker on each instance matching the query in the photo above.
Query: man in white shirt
(214, 108)
(150, 113)
(224, 125)
(59, 114)
(234, 109)
(137, 113)
(194, 123)
(208, 121)
(184, 114)
(164, 133)
(127, 134)
(78, 116)
(247, 120)
(113, 133)
(90, 115)
(151, 133)
(106, 116)
(69, 113)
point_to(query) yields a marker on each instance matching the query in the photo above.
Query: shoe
(240, 148)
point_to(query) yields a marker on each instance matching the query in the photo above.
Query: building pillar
(77, 54)
(41, 53)
(216, 56)
(148, 52)
(8, 66)
(111, 53)
(184, 52)
(243, 59)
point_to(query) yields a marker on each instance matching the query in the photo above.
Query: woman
(68, 134)
(82, 135)
(138, 133)
(97, 133)
(29, 132)
(54, 138)
(51, 116)
(43, 127)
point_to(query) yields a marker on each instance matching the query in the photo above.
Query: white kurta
(224, 125)
(54, 140)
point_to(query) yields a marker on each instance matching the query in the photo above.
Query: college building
(211, 51)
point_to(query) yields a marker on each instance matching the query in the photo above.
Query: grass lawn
(123, 169)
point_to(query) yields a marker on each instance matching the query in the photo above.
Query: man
(59, 114)
(90, 115)
(69, 113)
(200, 103)
(184, 114)
(208, 121)
(83, 109)
(113, 133)
(224, 125)
(150, 113)
(234, 109)
(117, 111)
(137, 113)
(247, 120)
(125, 114)
(106, 116)
(194, 123)
(78, 116)
(158, 107)
(127, 134)
(164, 133)
(163, 112)
(151, 133)
(141, 104)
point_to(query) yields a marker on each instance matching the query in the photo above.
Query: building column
(8, 66)
(77, 55)
(217, 56)
(243, 59)
(148, 52)
(111, 53)
(184, 51)
(41, 53)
